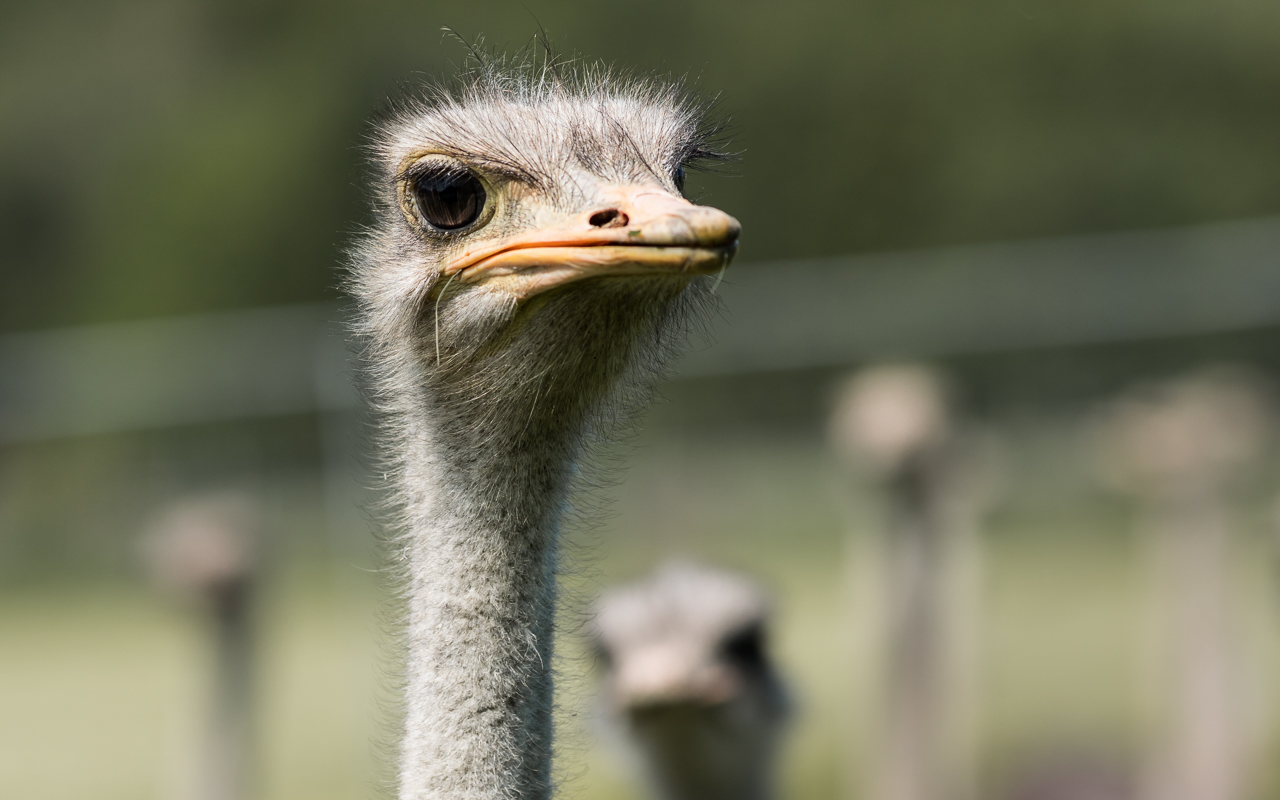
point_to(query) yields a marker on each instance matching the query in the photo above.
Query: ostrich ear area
(646, 234)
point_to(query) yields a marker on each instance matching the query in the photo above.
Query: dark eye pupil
(746, 647)
(449, 201)
(679, 176)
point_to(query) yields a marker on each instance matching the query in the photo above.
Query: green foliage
(162, 156)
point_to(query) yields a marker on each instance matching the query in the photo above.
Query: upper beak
(661, 677)
(642, 231)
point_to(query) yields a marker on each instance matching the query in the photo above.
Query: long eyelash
(420, 170)
(705, 150)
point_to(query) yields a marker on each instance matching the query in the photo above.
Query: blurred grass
(101, 685)
(94, 686)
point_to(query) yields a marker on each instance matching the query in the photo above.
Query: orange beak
(668, 676)
(646, 231)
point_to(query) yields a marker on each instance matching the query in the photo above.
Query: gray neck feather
(481, 609)
(486, 444)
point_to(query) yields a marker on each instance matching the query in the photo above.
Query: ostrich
(689, 680)
(531, 267)
(202, 550)
(894, 425)
(1179, 449)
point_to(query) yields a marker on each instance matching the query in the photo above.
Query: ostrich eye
(745, 647)
(449, 200)
(679, 177)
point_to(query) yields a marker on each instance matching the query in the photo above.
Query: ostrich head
(532, 243)
(889, 418)
(689, 678)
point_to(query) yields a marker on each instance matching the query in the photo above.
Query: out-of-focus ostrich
(894, 427)
(1078, 776)
(1178, 448)
(204, 551)
(689, 679)
(531, 266)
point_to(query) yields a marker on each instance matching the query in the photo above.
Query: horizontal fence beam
(776, 316)
(1045, 293)
(178, 371)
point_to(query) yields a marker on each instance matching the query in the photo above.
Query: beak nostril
(609, 218)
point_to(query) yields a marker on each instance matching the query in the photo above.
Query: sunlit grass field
(103, 684)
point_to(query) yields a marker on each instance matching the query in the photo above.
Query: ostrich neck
(489, 444)
(481, 557)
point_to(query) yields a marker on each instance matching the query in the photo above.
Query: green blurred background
(170, 158)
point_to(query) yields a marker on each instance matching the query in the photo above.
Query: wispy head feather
(534, 113)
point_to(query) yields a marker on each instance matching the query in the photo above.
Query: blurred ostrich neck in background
(532, 262)
(203, 549)
(1178, 448)
(893, 425)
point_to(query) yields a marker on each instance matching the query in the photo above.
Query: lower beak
(646, 232)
